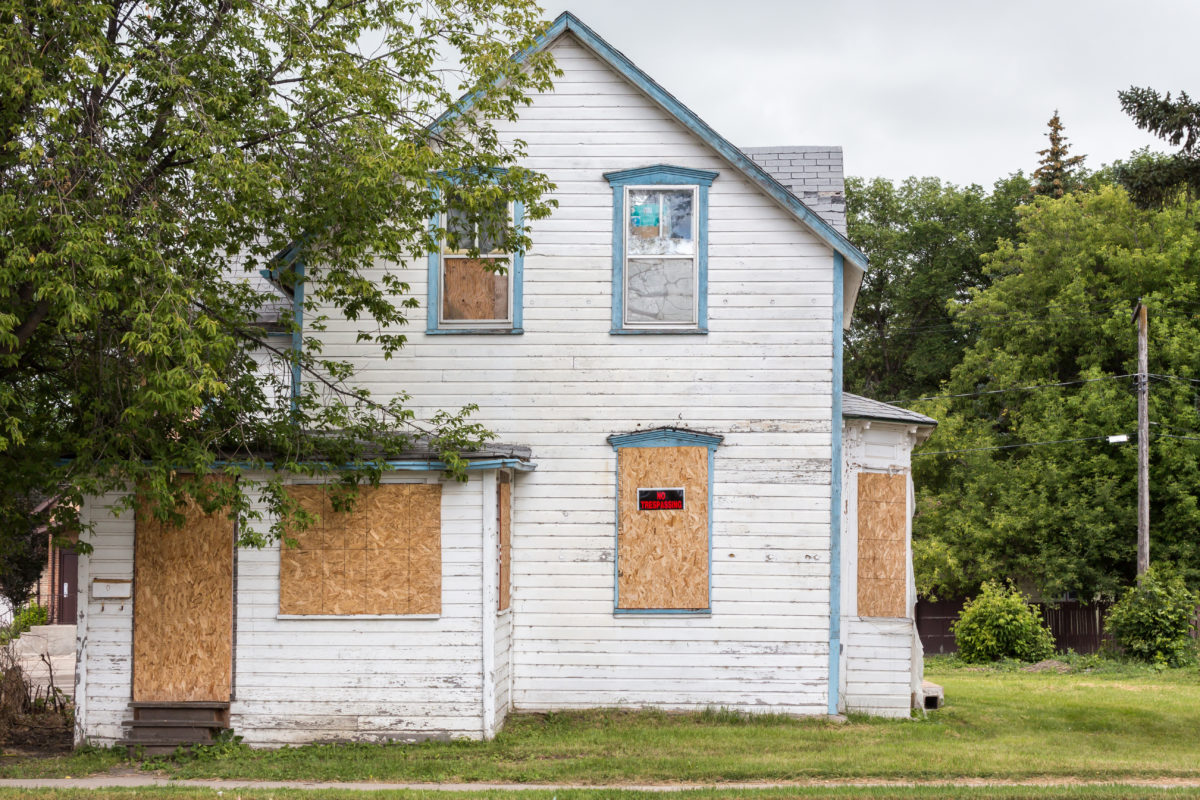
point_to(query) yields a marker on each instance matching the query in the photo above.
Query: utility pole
(1143, 440)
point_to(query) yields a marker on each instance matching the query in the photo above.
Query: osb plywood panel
(470, 291)
(505, 526)
(382, 557)
(183, 607)
(663, 555)
(882, 522)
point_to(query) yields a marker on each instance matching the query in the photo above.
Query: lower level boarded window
(882, 550)
(664, 521)
(382, 557)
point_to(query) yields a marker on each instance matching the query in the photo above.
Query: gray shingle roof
(856, 407)
(813, 174)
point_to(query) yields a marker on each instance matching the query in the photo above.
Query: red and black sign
(660, 499)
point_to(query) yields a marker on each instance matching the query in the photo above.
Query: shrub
(1153, 621)
(999, 623)
(23, 620)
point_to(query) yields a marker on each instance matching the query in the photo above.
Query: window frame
(436, 275)
(660, 177)
(660, 438)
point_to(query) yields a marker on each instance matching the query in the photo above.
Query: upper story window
(660, 249)
(474, 287)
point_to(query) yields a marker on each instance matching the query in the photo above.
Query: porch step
(158, 728)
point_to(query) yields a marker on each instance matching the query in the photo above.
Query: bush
(1154, 619)
(999, 623)
(23, 620)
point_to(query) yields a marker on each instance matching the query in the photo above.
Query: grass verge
(1097, 724)
(879, 792)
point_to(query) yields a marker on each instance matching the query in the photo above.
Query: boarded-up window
(476, 285)
(383, 557)
(882, 562)
(662, 549)
(504, 557)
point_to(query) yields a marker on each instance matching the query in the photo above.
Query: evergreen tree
(1153, 179)
(1057, 172)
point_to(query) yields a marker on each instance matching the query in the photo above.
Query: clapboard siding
(761, 377)
(104, 636)
(361, 675)
(882, 662)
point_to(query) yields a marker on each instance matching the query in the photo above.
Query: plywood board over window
(382, 557)
(882, 551)
(183, 607)
(663, 555)
(504, 559)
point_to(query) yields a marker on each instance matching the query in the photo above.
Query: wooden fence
(1077, 626)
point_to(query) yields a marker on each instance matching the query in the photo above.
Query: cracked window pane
(660, 223)
(660, 290)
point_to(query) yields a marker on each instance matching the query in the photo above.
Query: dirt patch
(1049, 665)
(47, 733)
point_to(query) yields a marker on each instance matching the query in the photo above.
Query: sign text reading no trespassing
(660, 499)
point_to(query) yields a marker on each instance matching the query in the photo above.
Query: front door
(183, 608)
(68, 581)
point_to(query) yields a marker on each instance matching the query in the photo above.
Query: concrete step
(53, 640)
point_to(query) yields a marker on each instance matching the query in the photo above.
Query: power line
(1011, 389)
(1009, 446)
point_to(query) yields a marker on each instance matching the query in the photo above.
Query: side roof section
(853, 260)
(857, 407)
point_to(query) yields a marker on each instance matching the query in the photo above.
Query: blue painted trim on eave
(692, 122)
(567, 21)
(835, 495)
(406, 465)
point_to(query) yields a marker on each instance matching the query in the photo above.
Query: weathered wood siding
(761, 378)
(881, 665)
(363, 677)
(316, 678)
(104, 671)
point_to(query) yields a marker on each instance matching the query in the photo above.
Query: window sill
(662, 612)
(659, 331)
(358, 616)
(475, 331)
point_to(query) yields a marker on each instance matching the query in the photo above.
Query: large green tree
(153, 154)
(1061, 516)
(925, 240)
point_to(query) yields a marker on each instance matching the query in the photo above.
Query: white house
(685, 513)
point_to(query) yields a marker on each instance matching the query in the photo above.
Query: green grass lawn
(898, 792)
(1110, 723)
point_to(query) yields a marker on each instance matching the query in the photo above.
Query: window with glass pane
(660, 256)
(472, 289)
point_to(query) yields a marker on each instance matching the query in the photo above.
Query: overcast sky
(960, 90)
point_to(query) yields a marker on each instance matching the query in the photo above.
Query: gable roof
(857, 407)
(568, 22)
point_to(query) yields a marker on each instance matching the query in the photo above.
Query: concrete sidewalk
(135, 781)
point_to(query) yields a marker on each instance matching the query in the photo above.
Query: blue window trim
(516, 277)
(291, 260)
(661, 437)
(659, 175)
